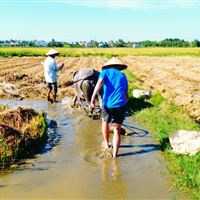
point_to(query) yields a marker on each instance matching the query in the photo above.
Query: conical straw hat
(114, 62)
(52, 52)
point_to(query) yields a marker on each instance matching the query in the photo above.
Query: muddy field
(177, 78)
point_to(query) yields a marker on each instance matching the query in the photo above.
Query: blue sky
(101, 20)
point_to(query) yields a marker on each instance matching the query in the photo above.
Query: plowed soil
(177, 78)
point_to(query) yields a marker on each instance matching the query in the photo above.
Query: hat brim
(52, 54)
(117, 66)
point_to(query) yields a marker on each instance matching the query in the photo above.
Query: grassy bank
(22, 133)
(162, 117)
(107, 52)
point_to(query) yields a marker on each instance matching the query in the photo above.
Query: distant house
(101, 45)
(86, 44)
(110, 43)
(89, 44)
(136, 45)
(83, 43)
(40, 43)
(14, 44)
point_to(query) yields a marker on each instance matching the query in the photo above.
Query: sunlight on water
(69, 166)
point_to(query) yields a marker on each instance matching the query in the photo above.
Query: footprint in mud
(91, 158)
(94, 156)
(104, 153)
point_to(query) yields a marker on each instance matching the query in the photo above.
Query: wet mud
(69, 166)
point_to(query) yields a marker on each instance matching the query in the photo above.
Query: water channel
(68, 167)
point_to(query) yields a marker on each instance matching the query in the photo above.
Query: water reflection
(112, 180)
(110, 169)
(74, 166)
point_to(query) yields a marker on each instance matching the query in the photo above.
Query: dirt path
(177, 78)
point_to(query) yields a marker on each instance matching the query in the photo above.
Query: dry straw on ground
(177, 78)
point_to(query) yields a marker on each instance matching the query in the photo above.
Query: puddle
(68, 167)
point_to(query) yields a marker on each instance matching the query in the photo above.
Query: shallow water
(68, 167)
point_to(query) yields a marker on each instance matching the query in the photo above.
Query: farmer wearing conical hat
(115, 87)
(50, 73)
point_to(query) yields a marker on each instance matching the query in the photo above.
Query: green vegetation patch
(161, 117)
(22, 133)
(185, 172)
(164, 117)
(130, 76)
(105, 52)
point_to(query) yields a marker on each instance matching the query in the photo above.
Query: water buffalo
(84, 80)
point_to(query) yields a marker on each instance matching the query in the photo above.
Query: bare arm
(96, 91)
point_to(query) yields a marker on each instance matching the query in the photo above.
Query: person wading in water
(50, 73)
(115, 94)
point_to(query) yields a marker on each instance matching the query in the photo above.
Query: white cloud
(115, 4)
(135, 4)
(186, 3)
(121, 4)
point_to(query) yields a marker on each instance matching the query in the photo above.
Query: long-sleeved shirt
(50, 70)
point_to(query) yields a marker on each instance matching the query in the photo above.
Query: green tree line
(169, 42)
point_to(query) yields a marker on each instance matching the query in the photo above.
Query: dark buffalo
(84, 80)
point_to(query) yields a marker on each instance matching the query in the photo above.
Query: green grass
(164, 117)
(161, 117)
(134, 104)
(106, 52)
(130, 76)
(185, 172)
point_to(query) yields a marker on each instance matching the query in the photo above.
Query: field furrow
(177, 78)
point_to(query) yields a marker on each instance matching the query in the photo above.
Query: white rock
(141, 94)
(185, 142)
